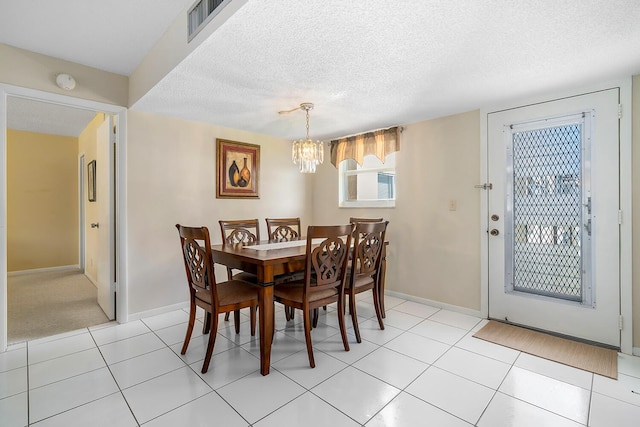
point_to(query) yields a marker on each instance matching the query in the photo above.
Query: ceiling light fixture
(304, 152)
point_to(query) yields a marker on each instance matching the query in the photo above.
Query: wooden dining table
(267, 260)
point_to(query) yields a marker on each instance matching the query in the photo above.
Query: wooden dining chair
(324, 278)
(236, 232)
(204, 292)
(364, 274)
(283, 229)
(355, 220)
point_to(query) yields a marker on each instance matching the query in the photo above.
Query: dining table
(268, 259)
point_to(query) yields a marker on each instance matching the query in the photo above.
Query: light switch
(453, 204)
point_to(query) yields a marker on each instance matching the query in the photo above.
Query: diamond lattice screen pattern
(547, 212)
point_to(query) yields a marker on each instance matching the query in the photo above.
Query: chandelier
(306, 153)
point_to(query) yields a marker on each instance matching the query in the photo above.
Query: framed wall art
(238, 169)
(91, 174)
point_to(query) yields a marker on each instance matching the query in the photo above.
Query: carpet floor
(49, 303)
(580, 355)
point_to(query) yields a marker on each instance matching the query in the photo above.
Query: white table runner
(280, 245)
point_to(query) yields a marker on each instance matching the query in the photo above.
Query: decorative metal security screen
(548, 206)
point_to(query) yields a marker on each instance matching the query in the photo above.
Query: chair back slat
(367, 252)
(198, 259)
(239, 231)
(283, 229)
(327, 262)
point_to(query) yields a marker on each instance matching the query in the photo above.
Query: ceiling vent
(201, 13)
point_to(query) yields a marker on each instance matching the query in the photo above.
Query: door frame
(82, 188)
(6, 91)
(626, 261)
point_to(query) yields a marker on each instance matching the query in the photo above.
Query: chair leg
(212, 341)
(354, 316)
(307, 336)
(289, 312)
(377, 303)
(206, 323)
(252, 314)
(316, 315)
(192, 321)
(226, 316)
(343, 328)
(236, 320)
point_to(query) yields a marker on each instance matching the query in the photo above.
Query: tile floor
(425, 368)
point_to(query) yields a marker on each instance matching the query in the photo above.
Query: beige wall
(42, 200)
(87, 145)
(171, 179)
(32, 70)
(434, 253)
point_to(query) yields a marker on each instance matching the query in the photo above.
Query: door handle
(95, 225)
(494, 232)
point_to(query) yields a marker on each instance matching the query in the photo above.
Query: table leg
(266, 327)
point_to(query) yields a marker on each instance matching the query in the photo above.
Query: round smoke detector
(65, 81)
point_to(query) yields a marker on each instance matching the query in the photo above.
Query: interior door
(553, 216)
(105, 226)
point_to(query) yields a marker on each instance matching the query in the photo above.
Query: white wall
(171, 178)
(433, 253)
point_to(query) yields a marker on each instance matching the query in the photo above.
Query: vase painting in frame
(238, 169)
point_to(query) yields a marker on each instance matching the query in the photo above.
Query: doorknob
(494, 232)
(95, 225)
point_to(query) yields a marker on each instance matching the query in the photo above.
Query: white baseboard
(43, 270)
(636, 351)
(159, 310)
(437, 304)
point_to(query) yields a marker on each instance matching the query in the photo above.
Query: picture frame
(238, 169)
(91, 175)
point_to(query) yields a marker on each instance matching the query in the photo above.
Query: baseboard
(636, 351)
(43, 270)
(157, 311)
(437, 304)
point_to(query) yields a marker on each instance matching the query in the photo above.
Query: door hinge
(114, 287)
(620, 217)
(619, 111)
(620, 324)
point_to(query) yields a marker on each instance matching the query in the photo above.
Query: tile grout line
(114, 380)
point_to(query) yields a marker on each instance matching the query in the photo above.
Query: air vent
(201, 13)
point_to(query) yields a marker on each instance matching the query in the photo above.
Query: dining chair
(364, 274)
(283, 229)
(204, 292)
(235, 232)
(324, 278)
(355, 220)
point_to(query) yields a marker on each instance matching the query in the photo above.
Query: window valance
(380, 143)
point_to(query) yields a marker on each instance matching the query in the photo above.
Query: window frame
(370, 203)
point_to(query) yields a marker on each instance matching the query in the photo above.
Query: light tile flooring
(425, 368)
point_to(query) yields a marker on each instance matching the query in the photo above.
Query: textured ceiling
(37, 116)
(365, 64)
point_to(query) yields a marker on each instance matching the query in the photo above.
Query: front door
(553, 216)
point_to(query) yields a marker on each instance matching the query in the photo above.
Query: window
(371, 185)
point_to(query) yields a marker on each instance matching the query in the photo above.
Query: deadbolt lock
(494, 232)
(494, 217)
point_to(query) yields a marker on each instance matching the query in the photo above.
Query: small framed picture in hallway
(91, 174)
